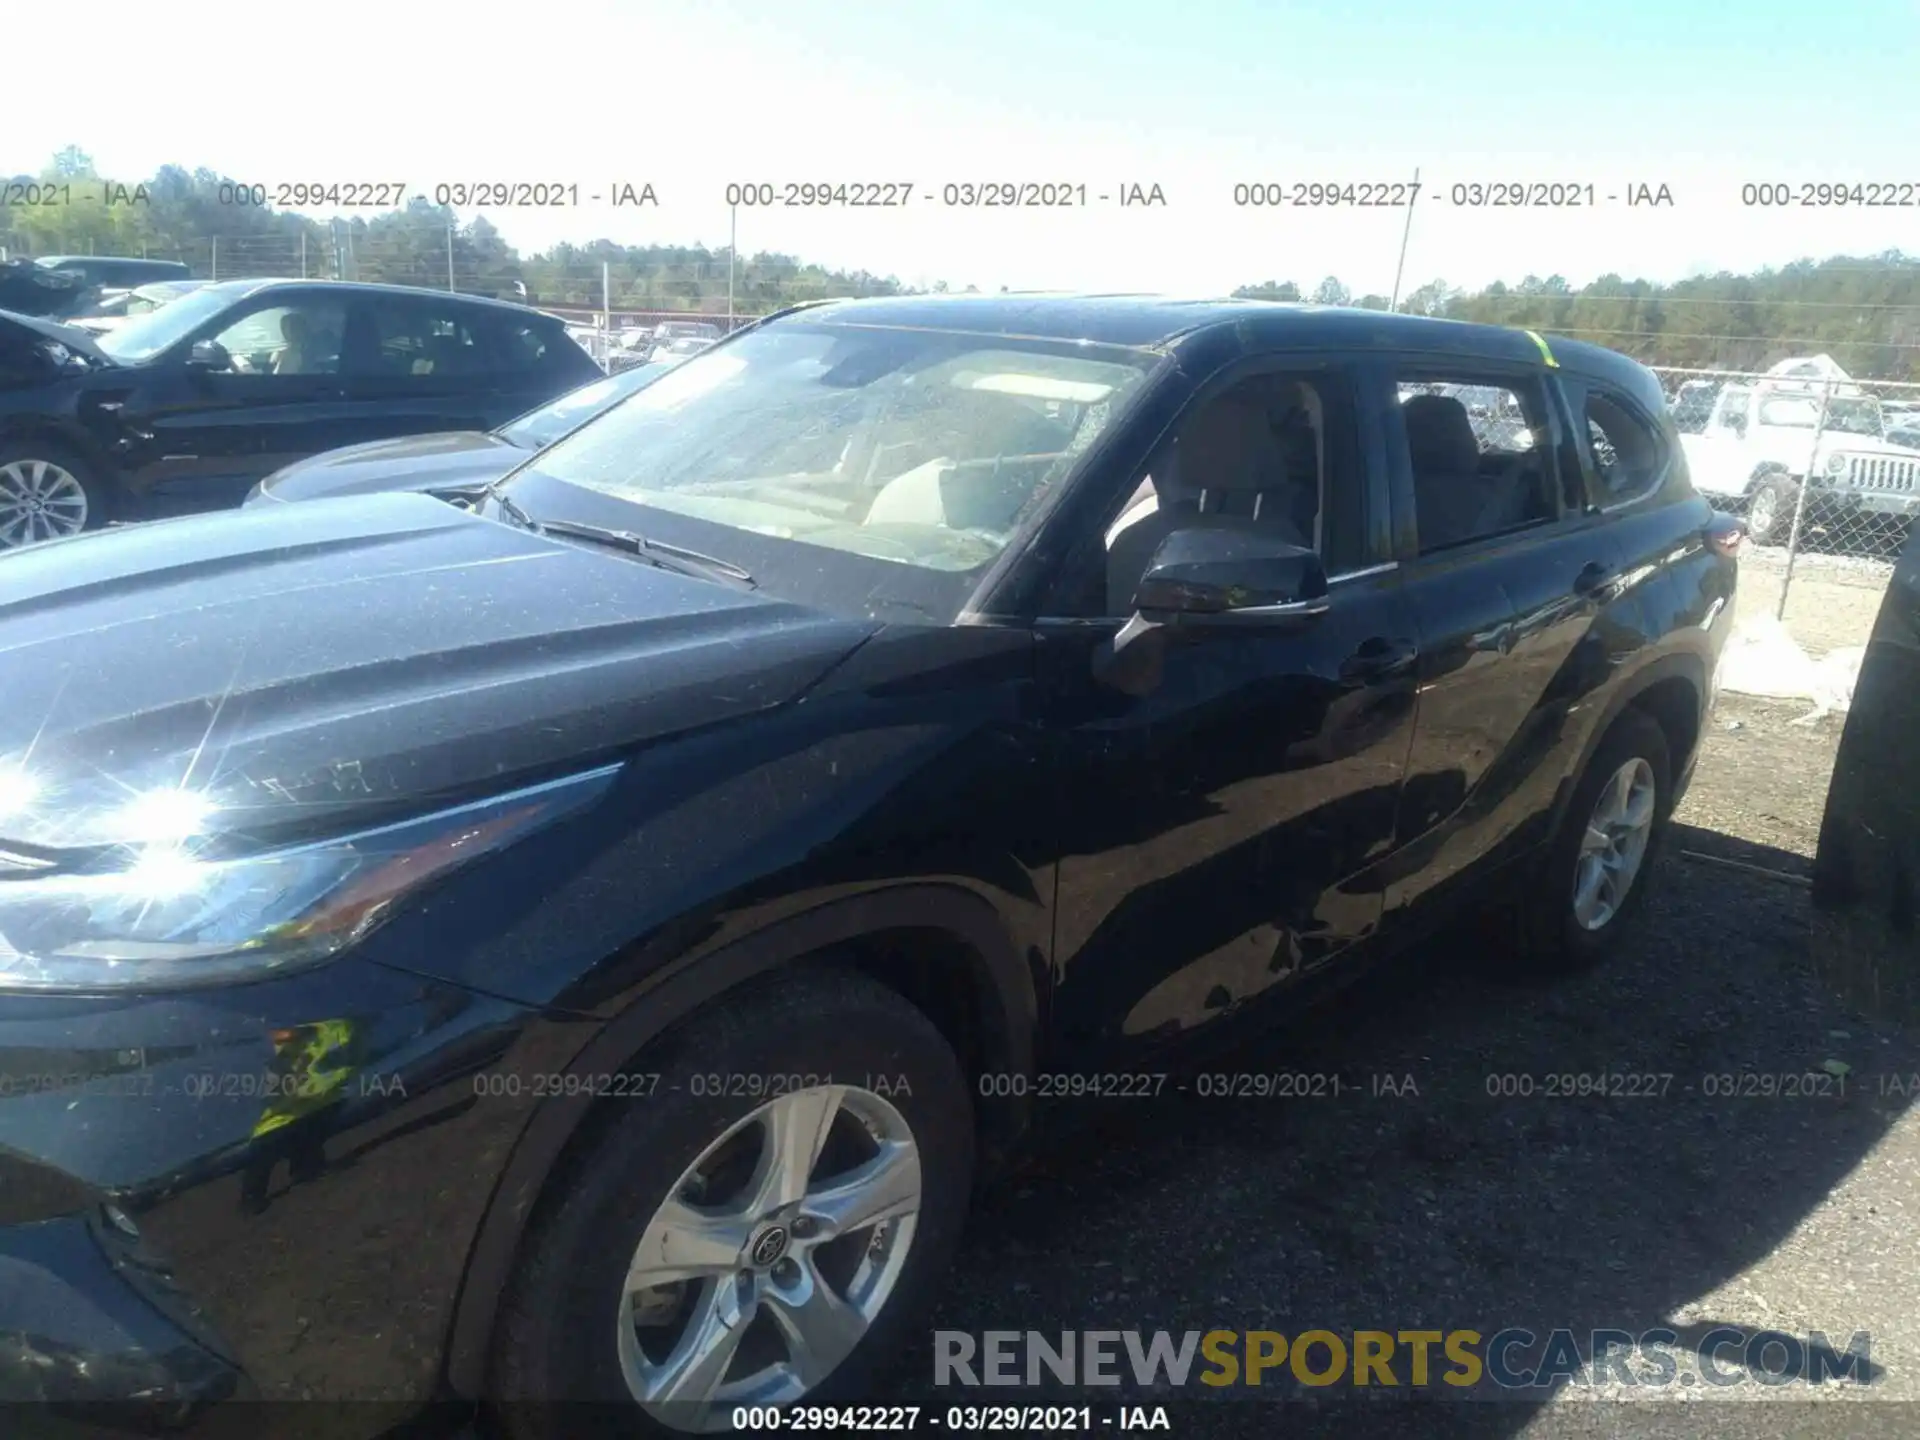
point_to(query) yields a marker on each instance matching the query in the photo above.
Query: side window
(523, 349)
(1276, 455)
(1481, 458)
(1730, 415)
(1627, 454)
(425, 341)
(298, 337)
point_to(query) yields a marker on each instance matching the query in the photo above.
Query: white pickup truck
(1758, 440)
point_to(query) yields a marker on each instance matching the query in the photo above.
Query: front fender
(1003, 983)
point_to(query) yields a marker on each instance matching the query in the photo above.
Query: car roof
(1146, 321)
(1158, 322)
(236, 289)
(116, 259)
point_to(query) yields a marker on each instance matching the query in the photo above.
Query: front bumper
(186, 1223)
(1869, 502)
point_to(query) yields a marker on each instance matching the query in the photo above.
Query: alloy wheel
(1614, 845)
(39, 500)
(1763, 512)
(770, 1258)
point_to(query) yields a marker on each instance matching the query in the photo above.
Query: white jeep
(1758, 440)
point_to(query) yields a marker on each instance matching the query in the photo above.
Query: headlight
(1836, 465)
(159, 917)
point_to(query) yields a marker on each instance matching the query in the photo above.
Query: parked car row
(1755, 444)
(186, 407)
(576, 930)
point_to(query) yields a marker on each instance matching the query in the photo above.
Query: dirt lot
(1831, 602)
(1454, 1209)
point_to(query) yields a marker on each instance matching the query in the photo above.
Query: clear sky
(1193, 97)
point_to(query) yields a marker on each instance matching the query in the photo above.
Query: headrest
(1232, 446)
(1440, 434)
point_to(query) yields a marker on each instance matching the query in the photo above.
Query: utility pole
(733, 242)
(1400, 268)
(451, 287)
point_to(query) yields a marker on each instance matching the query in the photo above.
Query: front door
(1209, 823)
(214, 432)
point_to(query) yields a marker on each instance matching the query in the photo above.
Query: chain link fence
(1825, 470)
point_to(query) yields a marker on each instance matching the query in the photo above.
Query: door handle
(1378, 659)
(1593, 576)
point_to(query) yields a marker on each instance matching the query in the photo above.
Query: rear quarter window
(1625, 450)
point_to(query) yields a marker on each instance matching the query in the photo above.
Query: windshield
(1846, 414)
(925, 450)
(539, 428)
(145, 336)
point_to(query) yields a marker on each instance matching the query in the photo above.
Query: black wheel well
(1674, 705)
(18, 429)
(943, 977)
(935, 970)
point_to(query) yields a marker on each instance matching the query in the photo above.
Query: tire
(1554, 938)
(558, 1367)
(69, 490)
(1770, 509)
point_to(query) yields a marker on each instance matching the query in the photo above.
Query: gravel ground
(1452, 1209)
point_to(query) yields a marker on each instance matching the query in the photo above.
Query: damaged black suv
(582, 948)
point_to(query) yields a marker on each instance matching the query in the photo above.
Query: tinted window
(426, 341)
(1627, 453)
(301, 336)
(531, 347)
(1481, 460)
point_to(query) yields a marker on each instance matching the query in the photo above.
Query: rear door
(423, 367)
(1506, 568)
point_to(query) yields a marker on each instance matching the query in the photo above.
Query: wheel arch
(989, 1011)
(25, 426)
(1672, 688)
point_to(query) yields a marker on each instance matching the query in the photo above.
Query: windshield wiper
(654, 552)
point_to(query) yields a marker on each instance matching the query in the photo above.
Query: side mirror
(209, 355)
(1206, 580)
(1216, 577)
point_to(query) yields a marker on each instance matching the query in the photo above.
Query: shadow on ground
(1453, 1204)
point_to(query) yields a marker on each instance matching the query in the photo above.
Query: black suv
(584, 948)
(184, 408)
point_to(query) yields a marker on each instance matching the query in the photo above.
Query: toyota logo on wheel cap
(771, 1245)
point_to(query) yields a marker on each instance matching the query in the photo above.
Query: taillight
(1725, 535)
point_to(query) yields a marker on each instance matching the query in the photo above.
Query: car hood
(304, 668)
(70, 336)
(418, 462)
